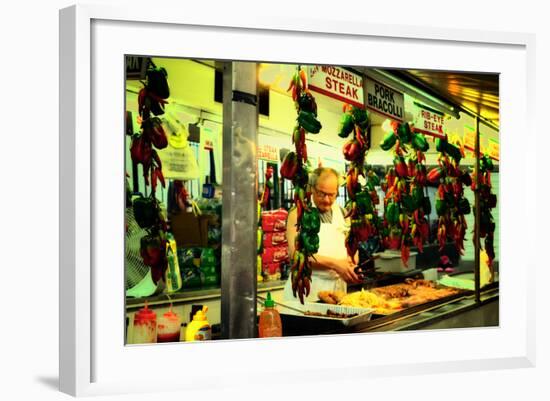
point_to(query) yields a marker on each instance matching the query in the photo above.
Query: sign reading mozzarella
(336, 83)
(429, 122)
(385, 100)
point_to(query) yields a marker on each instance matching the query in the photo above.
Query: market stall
(417, 160)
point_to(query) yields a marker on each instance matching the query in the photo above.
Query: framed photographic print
(231, 190)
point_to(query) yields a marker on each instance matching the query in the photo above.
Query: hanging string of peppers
(450, 204)
(147, 211)
(487, 201)
(268, 187)
(405, 206)
(295, 168)
(363, 235)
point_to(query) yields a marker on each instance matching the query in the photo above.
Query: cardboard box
(189, 230)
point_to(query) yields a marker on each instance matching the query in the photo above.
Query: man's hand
(344, 268)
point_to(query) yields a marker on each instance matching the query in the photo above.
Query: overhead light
(386, 125)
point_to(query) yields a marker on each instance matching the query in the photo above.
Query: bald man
(332, 269)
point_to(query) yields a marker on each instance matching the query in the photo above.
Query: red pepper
(400, 167)
(291, 85)
(352, 150)
(441, 236)
(289, 167)
(269, 173)
(441, 191)
(434, 175)
(146, 169)
(412, 168)
(136, 150)
(359, 136)
(307, 286)
(303, 78)
(351, 183)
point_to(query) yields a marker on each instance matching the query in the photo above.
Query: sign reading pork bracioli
(337, 83)
(385, 100)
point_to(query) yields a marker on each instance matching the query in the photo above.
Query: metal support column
(240, 126)
(477, 209)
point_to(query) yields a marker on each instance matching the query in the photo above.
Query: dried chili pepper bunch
(487, 201)
(450, 204)
(405, 206)
(295, 169)
(361, 206)
(151, 101)
(268, 187)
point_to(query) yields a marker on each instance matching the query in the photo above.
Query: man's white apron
(331, 243)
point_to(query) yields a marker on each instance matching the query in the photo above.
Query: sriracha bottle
(270, 320)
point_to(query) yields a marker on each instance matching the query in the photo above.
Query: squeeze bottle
(199, 329)
(270, 321)
(145, 326)
(168, 327)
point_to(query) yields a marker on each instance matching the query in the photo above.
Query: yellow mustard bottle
(199, 329)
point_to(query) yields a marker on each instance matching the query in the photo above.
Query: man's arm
(343, 267)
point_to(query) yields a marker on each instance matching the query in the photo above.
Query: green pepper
(408, 203)
(440, 207)
(441, 145)
(360, 117)
(419, 142)
(392, 213)
(307, 103)
(308, 122)
(426, 205)
(310, 242)
(453, 151)
(389, 141)
(404, 132)
(464, 206)
(145, 211)
(311, 220)
(364, 202)
(346, 125)
(417, 196)
(374, 179)
(157, 82)
(485, 163)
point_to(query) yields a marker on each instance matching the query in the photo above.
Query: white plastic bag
(178, 159)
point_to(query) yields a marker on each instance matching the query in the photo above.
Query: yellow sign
(493, 149)
(268, 153)
(470, 141)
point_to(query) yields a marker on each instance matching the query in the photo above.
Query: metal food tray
(363, 314)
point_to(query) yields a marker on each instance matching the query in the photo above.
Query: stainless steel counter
(193, 295)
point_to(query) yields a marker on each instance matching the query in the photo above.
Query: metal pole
(477, 217)
(239, 222)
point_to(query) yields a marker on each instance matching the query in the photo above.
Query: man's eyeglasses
(323, 194)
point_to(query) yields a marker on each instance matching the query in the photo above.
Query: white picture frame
(93, 358)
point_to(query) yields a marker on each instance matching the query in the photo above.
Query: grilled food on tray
(331, 297)
(362, 299)
(389, 299)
